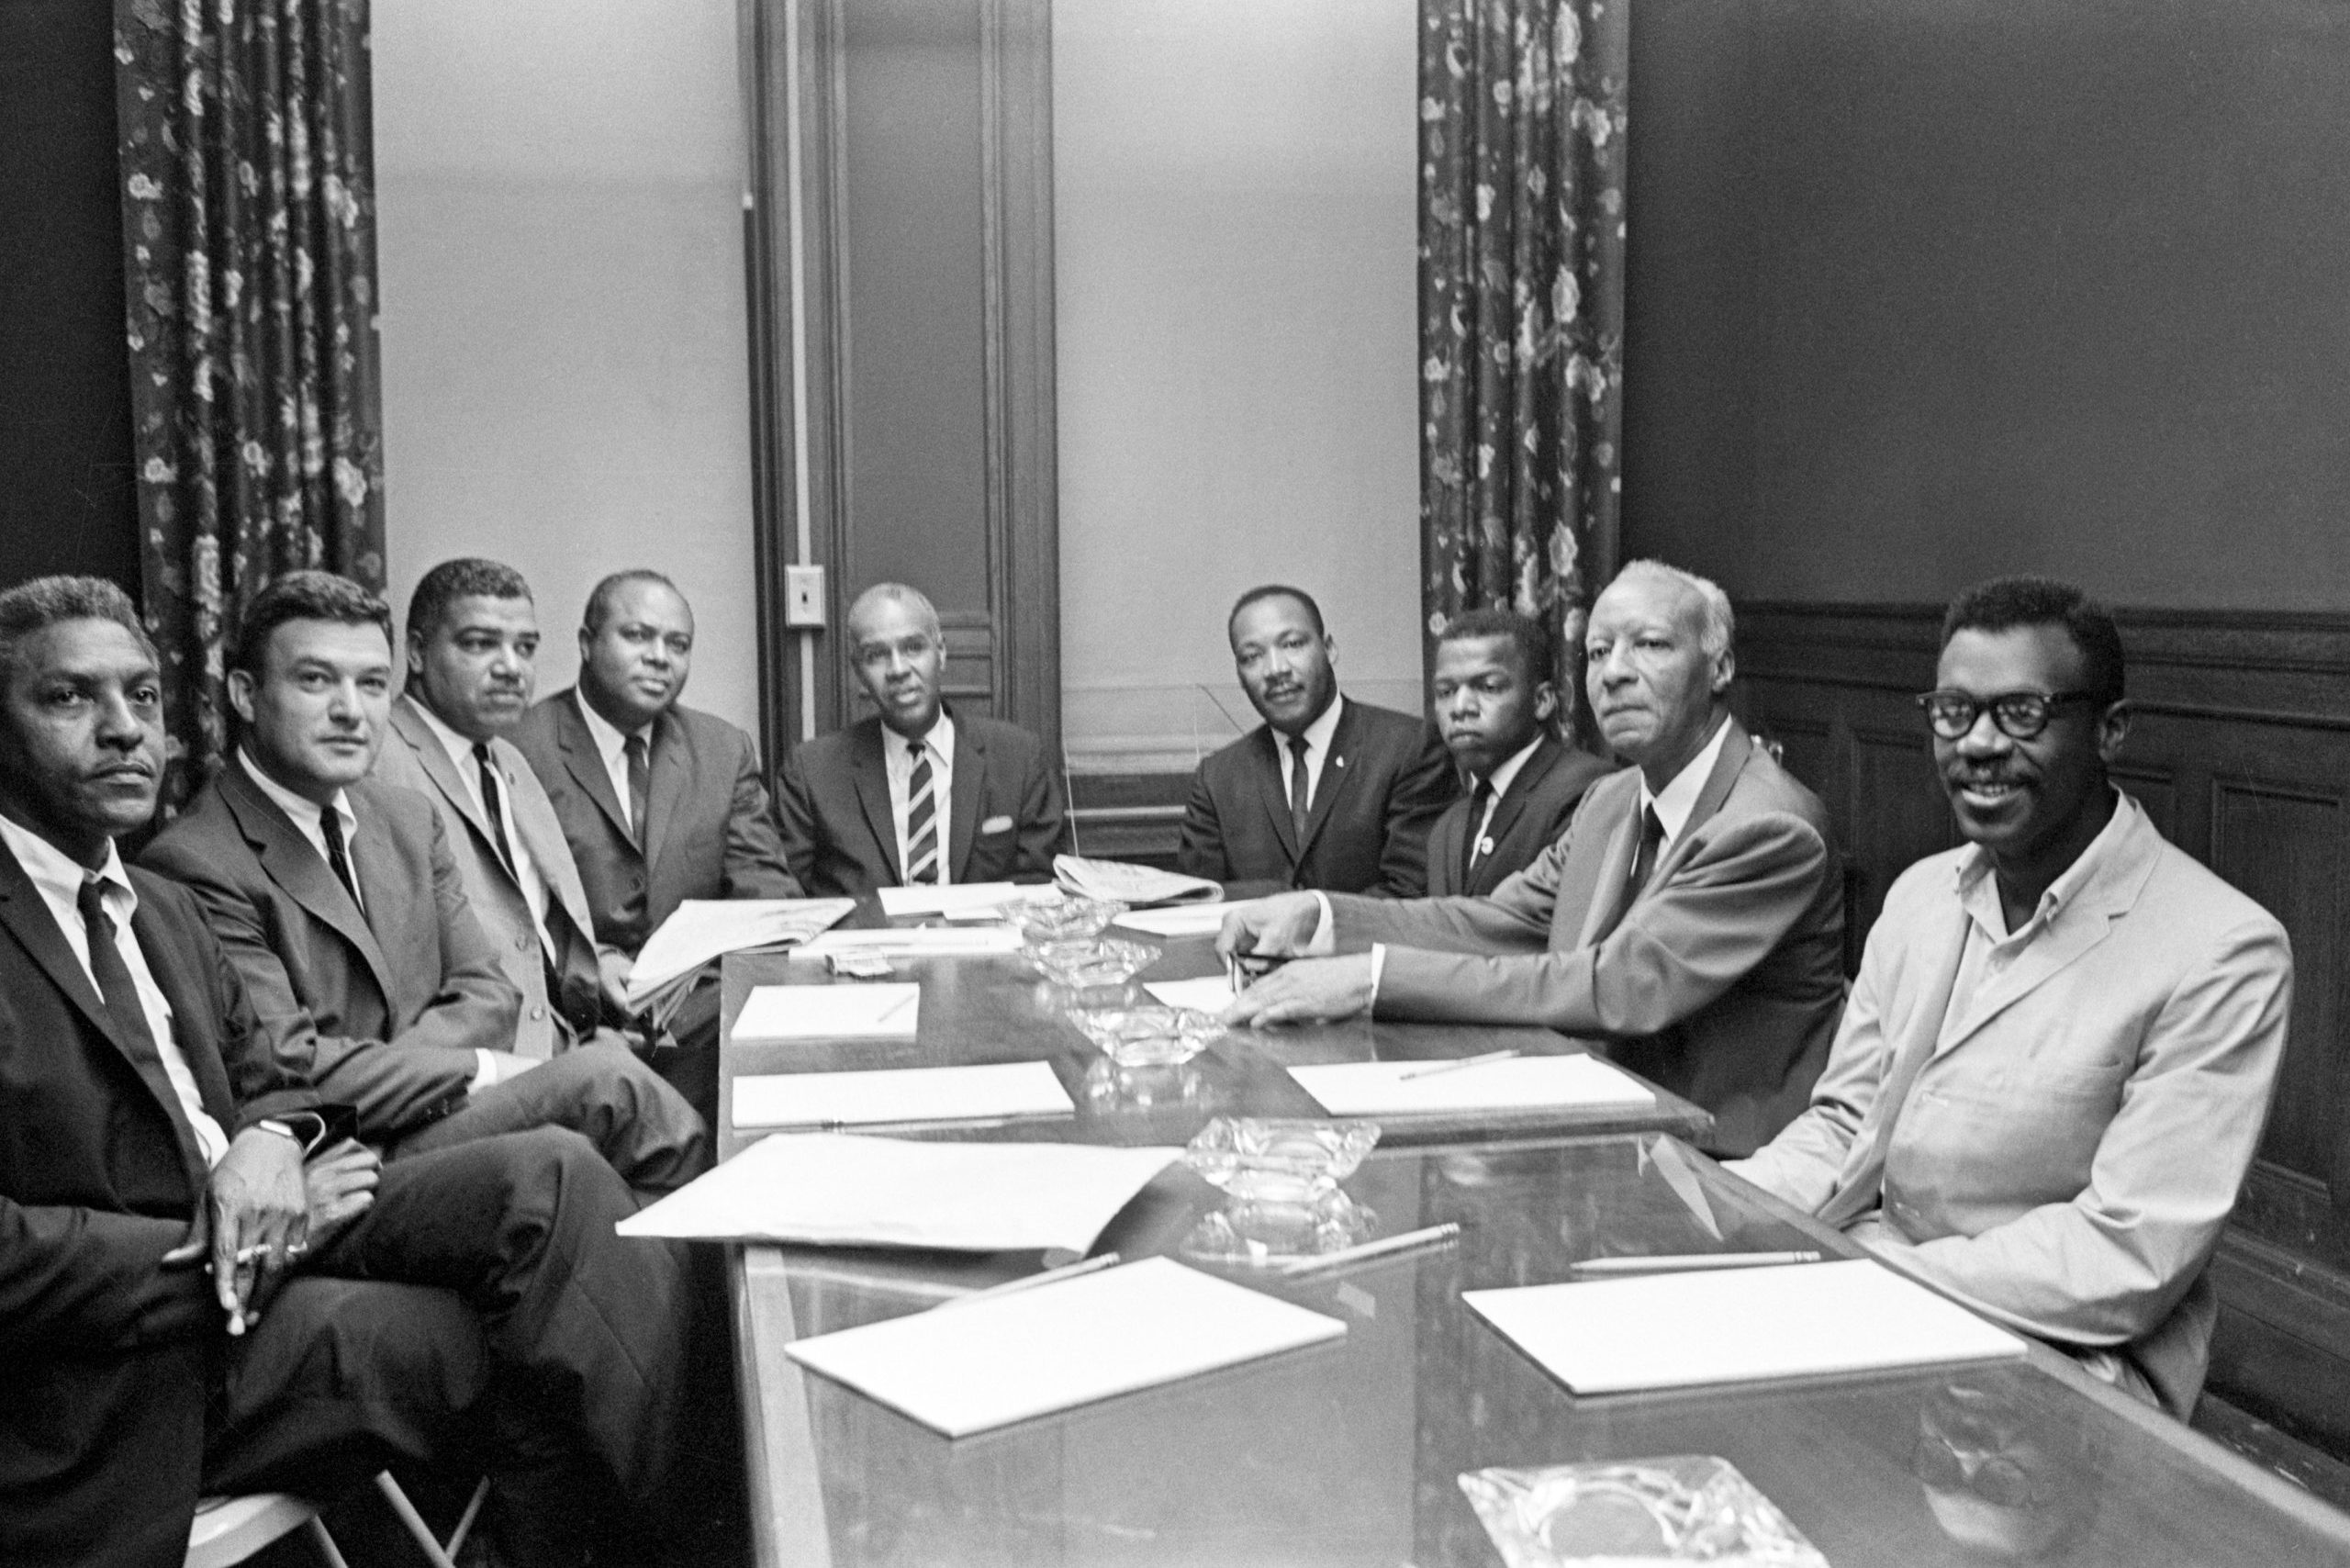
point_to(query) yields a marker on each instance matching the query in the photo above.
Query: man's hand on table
(1275, 926)
(1306, 990)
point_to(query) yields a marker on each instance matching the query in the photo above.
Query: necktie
(639, 776)
(922, 819)
(492, 805)
(1473, 850)
(1300, 791)
(114, 984)
(330, 829)
(1644, 863)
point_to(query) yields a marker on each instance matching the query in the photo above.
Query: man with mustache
(1327, 792)
(1689, 923)
(916, 795)
(155, 1129)
(2056, 1061)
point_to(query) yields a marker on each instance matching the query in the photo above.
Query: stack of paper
(915, 942)
(1401, 1088)
(1182, 920)
(837, 1190)
(702, 929)
(960, 900)
(1129, 883)
(1209, 993)
(1736, 1326)
(900, 1095)
(969, 1368)
(828, 1013)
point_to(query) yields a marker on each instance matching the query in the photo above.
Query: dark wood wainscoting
(2241, 751)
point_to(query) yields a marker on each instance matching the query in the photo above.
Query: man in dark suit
(916, 795)
(1326, 793)
(1495, 700)
(152, 1129)
(1690, 922)
(473, 639)
(337, 898)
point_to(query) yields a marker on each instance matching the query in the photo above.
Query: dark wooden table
(998, 1009)
(1348, 1452)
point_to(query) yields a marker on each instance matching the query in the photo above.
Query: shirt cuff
(485, 1072)
(1325, 940)
(1378, 968)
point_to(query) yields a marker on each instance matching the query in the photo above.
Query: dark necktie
(922, 819)
(639, 781)
(1473, 850)
(1644, 863)
(330, 829)
(1300, 791)
(493, 806)
(114, 984)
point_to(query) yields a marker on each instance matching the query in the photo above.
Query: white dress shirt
(59, 879)
(611, 745)
(1317, 751)
(1673, 803)
(526, 870)
(305, 815)
(898, 760)
(1499, 781)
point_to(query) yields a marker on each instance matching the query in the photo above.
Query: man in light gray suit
(1689, 923)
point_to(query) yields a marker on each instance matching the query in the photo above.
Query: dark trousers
(643, 1128)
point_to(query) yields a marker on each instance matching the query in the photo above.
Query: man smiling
(1689, 923)
(2058, 1056)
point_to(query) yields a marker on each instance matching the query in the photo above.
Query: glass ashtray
(1040, 919)
(1255, 1233)
(1087, 962)
(1110, 1089)
(1149, 1036)
(1279, 1159)
(1687, 1508)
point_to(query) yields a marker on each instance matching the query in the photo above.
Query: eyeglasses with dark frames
(2019, 715)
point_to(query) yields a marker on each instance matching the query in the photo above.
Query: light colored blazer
(2066, 1159)
(1720, 981)
(413, 757)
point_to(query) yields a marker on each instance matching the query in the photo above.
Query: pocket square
(996, 824)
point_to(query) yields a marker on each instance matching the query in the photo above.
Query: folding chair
(227, 1530)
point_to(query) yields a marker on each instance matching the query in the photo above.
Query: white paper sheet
(900, 1095)
(1736, 1326)
(1209, 993)
(1383, 1088)
(915, 942)
(855, 1012)
(841, 1190)
(956, 899)
(1033, 1352)
(701, 929)
(1180, 920)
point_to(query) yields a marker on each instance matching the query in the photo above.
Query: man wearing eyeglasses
(2054, 1069)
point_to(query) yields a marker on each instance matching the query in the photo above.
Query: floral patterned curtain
(1521, 310)
(249, 229)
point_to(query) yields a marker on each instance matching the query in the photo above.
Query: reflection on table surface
(1348, 1452)
(997, 1008)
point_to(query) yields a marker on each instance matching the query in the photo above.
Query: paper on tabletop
(1129, 883)
(1385, 1088)
(842, 1190)
(956, 899)
(1209, 993)
(860, 1010)
(915, 942)
(1179, 920)
(1736, 1325)
(702, 929)
(900, 1095)
(963, 1368)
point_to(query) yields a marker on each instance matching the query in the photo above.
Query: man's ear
(1725, 670)
(415, 656)
(240, 694)
(1546, 701)
(2112, 728)
(1330, 648)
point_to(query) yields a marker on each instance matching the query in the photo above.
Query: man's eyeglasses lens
(2019, 715)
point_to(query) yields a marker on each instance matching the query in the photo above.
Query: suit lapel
(1335, 771)
(969, 774)
(434, 759)
(664, 784)
(868, 774)
(585, 766)
(1512, 805)
(185, 989)
(1271, 766)
(541, 834)
(1603, 896)
(295, 867)
(1736, 750)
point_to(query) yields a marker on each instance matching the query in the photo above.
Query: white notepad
(900, 1095)
(840, 1190)
(958, 898)
(858, 1012)
(1209, 993)
(963, 1368)
(1385, 1088)
(1736, 1325)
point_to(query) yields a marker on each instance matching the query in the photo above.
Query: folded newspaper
(1130, 884)
(703, 929)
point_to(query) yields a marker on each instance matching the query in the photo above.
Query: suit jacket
(2069, 1151)
(103, 1354)
(1003, 823)
(386, 1009)
(414, 758)
(1383, 786)
(1720, 981)
(707, 831)
(1529, 817)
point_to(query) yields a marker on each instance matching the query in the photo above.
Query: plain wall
(1236, 273)
(565, 376)
(1920, 293)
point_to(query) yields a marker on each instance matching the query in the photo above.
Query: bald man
(917, 794)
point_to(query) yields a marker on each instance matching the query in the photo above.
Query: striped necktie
(922, 820)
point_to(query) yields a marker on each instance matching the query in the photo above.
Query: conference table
(1350, 1451)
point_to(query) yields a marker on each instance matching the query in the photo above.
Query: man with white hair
(1689, 923)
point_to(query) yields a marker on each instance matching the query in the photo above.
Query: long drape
(249, 231)
(1522, 122)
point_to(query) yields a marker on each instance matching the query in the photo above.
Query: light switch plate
(803, 596)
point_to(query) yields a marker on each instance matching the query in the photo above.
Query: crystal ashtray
(1687, 1508)
(1279, 1159)
(1149, 1036)
(1040, 920)
(1084, 963)
(1256, 1234)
